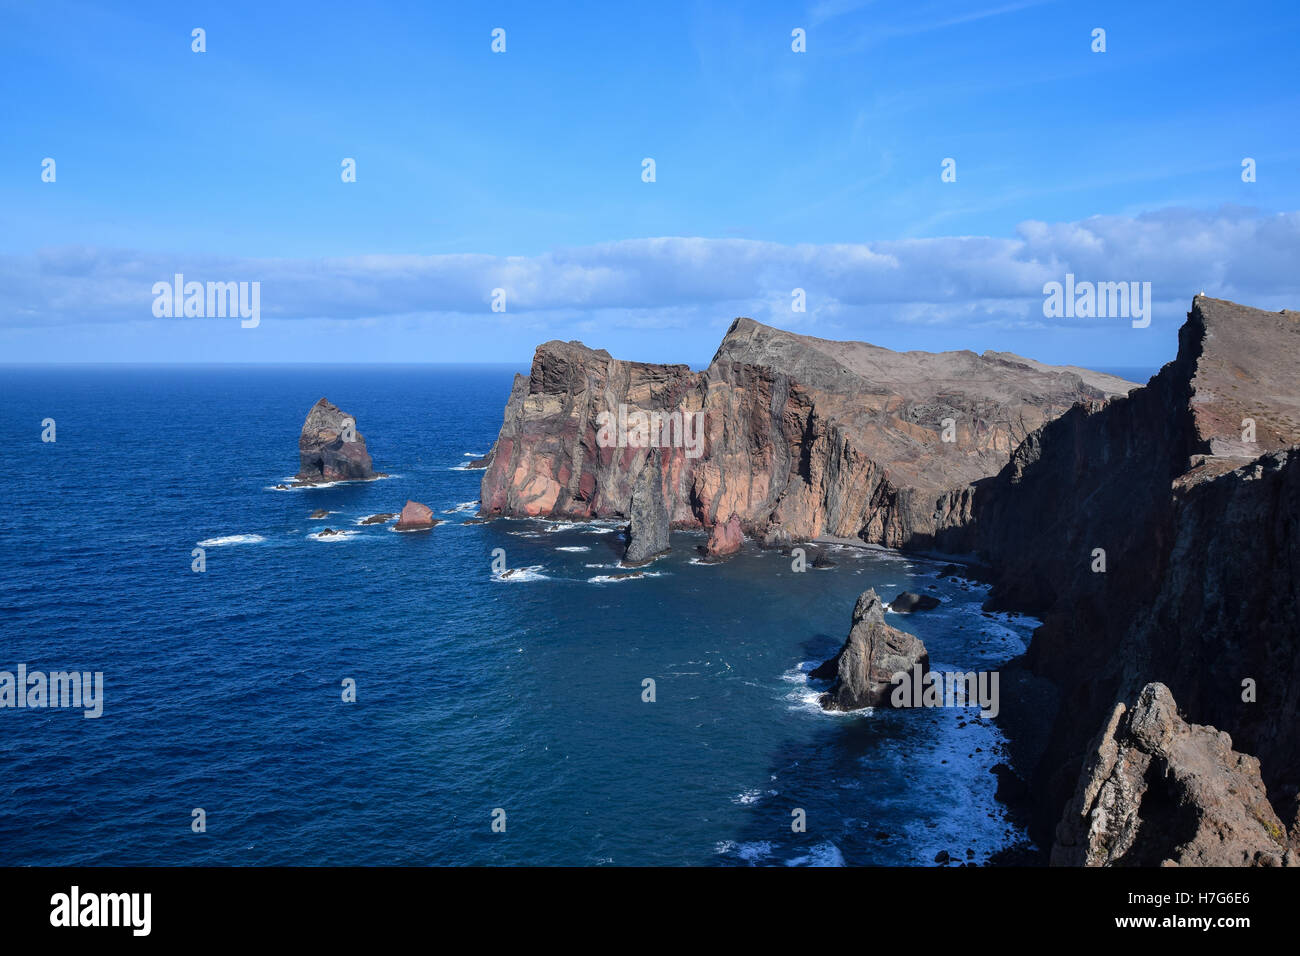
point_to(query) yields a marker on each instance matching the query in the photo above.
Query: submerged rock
(416, 517)
(331, 449)
(909, 601)
(648, 525)
(378, 519)
(1156, 790)
(318, 514)
(874, 652)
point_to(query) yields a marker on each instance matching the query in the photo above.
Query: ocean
(478, 698)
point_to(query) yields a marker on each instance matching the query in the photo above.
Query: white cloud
(1231, 252)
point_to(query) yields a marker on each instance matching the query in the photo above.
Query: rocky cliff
(1159, 543)
(796, 436)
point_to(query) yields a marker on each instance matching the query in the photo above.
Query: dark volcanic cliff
(802, 437)
(1199, 533)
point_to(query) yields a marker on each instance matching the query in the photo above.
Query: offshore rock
(874, 652)
(331, 449)
(725, 538)
(416, 517)
(648, 516)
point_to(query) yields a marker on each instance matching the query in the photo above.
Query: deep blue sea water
(223, 689)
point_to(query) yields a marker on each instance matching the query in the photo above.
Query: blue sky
(522, 170)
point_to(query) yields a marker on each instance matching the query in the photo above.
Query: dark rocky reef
(874, 652)
(801, 437)
(331, 449)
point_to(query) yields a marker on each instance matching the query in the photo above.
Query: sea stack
(725, 538)
(874, 652)
(330, 448)
(416, 517)
(648, 516)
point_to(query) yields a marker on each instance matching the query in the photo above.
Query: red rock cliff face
(801, 437)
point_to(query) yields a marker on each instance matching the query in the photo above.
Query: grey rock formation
(1159, 791)
(865, 666)
(648, 516)
(331, 449)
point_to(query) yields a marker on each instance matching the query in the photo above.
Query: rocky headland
(1158, 538)
(793, 436)
(1152, 529)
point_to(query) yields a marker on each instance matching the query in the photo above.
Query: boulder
(416, 517)
(1157, 790)
(725, 538)
(865, 666)
(908, 601)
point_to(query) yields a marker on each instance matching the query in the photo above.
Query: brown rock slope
(802, 436)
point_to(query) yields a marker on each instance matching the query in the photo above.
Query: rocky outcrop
(725, 538)
(907, 602)
(416, 517)
(865, 666)
(331, 449)
(798, 437)
(648, 516)
(1158, 546)
(1159, 791)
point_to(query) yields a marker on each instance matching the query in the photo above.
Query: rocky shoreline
(1152, 529)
